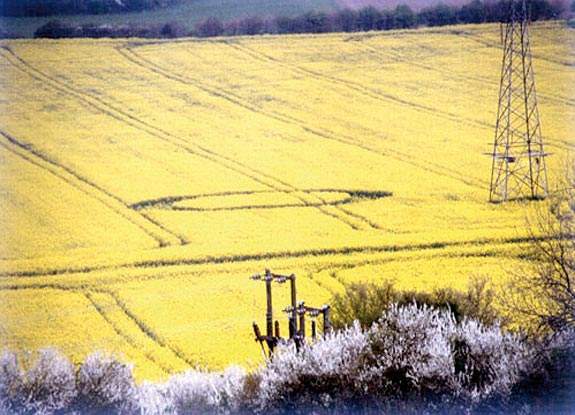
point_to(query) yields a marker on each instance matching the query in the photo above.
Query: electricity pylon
(518, 170)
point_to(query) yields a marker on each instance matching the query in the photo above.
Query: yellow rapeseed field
(144, 181)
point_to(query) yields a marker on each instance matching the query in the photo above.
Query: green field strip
(90, 189)
(312, 253)
(137, 333)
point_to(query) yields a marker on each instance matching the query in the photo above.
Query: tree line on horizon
(347, 20)
(42, 8)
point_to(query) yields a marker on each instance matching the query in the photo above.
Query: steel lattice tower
(518, 170)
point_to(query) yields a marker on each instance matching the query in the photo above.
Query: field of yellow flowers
(144, 181)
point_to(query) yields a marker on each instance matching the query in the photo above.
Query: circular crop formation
(263, 199)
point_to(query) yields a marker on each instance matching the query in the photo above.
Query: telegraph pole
(296, 313)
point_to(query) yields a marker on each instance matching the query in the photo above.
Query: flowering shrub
(47, 386)
(310, 377)
(196, 392)
(105, 384)
(415, 356)
(10, 382)
(410, 350)
(414, 359)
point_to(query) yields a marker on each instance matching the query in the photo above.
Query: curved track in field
(168, 73)
(353, 220)
(175, 202)
(162, 236)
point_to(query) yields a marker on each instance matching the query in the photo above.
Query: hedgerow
(413, 359)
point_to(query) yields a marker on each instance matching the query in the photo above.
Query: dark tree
(210, 27)
(251, 26)
(440, 15)
(545, 294)
(316, 23)
(403, 17)
(55, 29)
(368, 19)
(473, 12)
(285, 25)
(347, 21)
(545, 10)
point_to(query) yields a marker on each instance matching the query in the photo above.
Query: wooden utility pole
(296, 311)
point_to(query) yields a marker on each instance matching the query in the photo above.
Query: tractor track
(374, 94)
(106, 108)
(319, 132)
(355, 221)
(266, 256)
(161, 235)
(379, 96)
(101, 310)
(404, 157)
(29, 70)
(145, 330)
(479, 81)
(492, 46)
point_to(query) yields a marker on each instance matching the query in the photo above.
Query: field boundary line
(199, 151)
(90, 189)
(404, 157)
(277, 184)
(319, 252)
(143, 329)
(321, 133)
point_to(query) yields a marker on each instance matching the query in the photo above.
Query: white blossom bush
(414, 359)
(410, 350)
(488, 361)
(195, 392)
(311, 375)
(105, 384)
(152, 399)
(10, 382)
(49, 385)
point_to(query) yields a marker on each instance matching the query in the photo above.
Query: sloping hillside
(145, 181)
